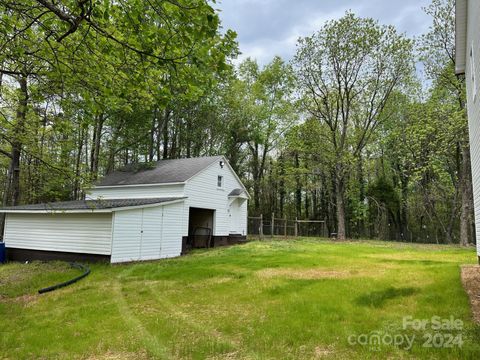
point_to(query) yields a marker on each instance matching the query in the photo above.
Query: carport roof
(100, 205)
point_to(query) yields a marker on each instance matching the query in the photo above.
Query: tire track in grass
(141, 333)
(197, 326)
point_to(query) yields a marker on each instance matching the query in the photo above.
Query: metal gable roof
(89, 205)
(238, 193)
(161, 172)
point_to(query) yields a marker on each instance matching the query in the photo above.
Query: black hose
(69, 282)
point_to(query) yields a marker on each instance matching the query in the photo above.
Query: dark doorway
(200, 227)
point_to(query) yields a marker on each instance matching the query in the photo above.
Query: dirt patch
(303, 273)
(110, 355)
(26, 299)
(321, 351)
(471, 283)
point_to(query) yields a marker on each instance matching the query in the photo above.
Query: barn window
(220, 181)
(472, 73)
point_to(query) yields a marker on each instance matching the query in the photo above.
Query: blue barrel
(2, 252)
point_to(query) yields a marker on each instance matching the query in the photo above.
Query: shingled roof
(89, 205)
(160, 172)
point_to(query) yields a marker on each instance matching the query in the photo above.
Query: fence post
(285, 226)
(261, 226)
(273, 223)
(296, 226)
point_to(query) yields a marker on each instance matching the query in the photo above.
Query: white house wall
(242, 218)
(148, 233)
(126, 239)
(131, 192)
(77, 233)
(473, 104)
(234, 214)
(151, 233)
(173, 220)
(238, 216)
(202, 192)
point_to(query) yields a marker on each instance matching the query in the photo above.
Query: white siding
(147, 234)
(172, 230)
(242, 218)
(238, 216)
(202, 192)
(234, 213)
(152, 226)
(126, 239)
(130, 192)
(77, 233)
(473, 104)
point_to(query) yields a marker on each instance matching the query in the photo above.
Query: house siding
(202, 192)
(131, 192)
(126, 235)
(173, 219)
(473, 104)
(148, 233)
(238, 216)
(76, 233)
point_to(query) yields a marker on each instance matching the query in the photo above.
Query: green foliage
(270, 299)
(383, 194)
(112, 83)
(95, 73)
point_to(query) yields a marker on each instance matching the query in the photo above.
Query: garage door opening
(200, 227)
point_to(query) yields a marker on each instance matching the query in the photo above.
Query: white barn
(467, 61)
(141, 212)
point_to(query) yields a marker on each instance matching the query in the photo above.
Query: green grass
(264, 300)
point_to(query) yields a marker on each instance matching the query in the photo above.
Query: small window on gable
(220, 181)
(472, 73)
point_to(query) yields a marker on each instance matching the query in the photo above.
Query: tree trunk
(13, 188)
(78, 162)
(165, 134)
(298, 189)
(151, 142)
(96, 142)
(404, 208)
(361, 195)
(256, 178)
(340, 204)
(281, 185)
(188, 135)
(11, 195)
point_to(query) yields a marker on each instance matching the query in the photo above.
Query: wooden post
(273, 223)
(285, 225)
(296, 227)
(260, 232)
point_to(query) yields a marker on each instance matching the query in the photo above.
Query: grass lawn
(302, 299)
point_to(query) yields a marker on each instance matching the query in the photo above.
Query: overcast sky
(267, 28)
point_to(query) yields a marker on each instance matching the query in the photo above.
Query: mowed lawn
(297, 299)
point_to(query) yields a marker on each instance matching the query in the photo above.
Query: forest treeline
(344, 132)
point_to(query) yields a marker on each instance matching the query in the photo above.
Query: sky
(267, 28)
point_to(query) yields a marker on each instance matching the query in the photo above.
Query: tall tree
(346, 73)
(267, 103)
(438, 55)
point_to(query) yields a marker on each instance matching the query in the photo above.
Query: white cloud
(271, 27)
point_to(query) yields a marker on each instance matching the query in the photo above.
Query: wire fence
(261, 226)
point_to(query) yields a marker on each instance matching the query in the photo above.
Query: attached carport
(115, 230)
